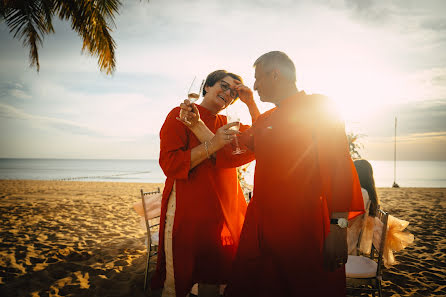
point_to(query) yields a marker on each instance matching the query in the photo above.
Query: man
(293, 241)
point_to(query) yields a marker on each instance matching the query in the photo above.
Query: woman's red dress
(210, 206)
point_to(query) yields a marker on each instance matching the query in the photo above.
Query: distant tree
(354, 145)
(31, 20)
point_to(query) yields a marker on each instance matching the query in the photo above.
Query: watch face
(343, 223)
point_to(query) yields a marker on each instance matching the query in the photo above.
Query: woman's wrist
(198, 127)
(253, 110)
(215, 144)
(207, 145)
(212, 147)
(250, 102)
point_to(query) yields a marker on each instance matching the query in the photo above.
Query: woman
(203, 206)
(371, 202)
(365, 174)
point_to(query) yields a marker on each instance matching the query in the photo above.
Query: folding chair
(152, 226)
(364, 272)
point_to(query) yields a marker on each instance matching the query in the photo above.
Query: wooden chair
(364, 272)
(152, 227)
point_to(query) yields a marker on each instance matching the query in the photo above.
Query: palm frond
(29, 21)
(89, 20)
(108, 8)
(31, 38)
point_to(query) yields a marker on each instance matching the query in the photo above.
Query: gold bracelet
(206, 148)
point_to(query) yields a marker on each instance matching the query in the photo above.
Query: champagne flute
(194, 92)
(233, 117)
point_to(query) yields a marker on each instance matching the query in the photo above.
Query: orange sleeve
(246, 139)
(175, 154)
(339, 178)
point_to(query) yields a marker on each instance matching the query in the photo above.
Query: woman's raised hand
(247, 97)
(245, 93)
(189, 114)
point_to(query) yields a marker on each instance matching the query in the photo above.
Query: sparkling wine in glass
(233, 117)
(194, 92)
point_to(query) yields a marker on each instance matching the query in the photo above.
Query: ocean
(430, 174)
(82, 170)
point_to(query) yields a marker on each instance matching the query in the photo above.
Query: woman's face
(222, 93)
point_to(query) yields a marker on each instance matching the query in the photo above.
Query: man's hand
(335, 248)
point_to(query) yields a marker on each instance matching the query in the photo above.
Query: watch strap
(334, 221)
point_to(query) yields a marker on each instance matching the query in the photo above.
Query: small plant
(354, 145)
(246, 188)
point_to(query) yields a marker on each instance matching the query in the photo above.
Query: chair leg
(146, 273)
(380, 292)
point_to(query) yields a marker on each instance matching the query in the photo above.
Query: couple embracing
(291, 238)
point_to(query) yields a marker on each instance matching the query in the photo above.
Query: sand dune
(84, 239)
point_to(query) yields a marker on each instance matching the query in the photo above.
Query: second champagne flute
(233, 117)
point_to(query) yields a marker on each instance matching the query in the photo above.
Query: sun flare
(360, 92)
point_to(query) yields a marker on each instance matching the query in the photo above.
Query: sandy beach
(84, 239)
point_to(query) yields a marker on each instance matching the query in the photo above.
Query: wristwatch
(341, 222)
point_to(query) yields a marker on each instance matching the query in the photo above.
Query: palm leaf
(29, 21)
(89, 20)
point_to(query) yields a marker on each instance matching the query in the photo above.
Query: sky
(376, 59)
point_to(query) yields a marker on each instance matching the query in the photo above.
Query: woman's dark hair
(218, 75)
(365, 174)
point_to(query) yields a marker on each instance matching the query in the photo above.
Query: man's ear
(206, 88)
(276, 74)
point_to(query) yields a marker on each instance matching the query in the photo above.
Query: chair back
(364, 272)
(361, 232)
(383, 217)
(152, 224)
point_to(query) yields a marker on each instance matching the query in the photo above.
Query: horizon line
(150, 159)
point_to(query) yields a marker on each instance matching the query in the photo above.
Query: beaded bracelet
(206, 144)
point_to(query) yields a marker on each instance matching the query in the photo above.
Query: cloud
(20, 94)
(422, 117)
(421, 146)
(413, 118)
(439, 77)
(416, 137)
(369, 10)
(367, 51)
(10, 112)
(421, 131)
(434, 24)
(14, 91)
